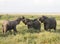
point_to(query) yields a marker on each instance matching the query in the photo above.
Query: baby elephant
(49, 23)
(32, 23)
(9, 25)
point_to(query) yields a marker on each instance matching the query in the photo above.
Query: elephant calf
(32, 23)
(49, 23)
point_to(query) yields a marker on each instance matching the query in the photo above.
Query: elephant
(10, 25)
(49, 22)
(32, 23)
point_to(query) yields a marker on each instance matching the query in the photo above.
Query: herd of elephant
(49, 23)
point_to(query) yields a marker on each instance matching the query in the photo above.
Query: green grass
(24, 36)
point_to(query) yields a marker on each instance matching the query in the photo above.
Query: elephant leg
(15, 31)
(28, 27)
(3, 29)
(46, 27)
(5, 32)
(55, 28)
(39, 29)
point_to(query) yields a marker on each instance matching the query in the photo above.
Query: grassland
(24, 36)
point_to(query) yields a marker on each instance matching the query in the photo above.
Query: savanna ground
(24, 36)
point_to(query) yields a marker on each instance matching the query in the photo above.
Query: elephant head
(43, 18)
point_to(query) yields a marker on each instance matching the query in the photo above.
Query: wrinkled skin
(49, 23)
(10, 25)
(32, 23)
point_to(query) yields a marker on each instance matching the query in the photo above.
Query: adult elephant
(32, 23)
(10, 25)
(49, 23)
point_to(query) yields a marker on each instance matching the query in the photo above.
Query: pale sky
(27, 6)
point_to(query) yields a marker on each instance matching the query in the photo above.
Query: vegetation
(25, 36)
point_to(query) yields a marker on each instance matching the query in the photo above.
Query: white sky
(26, 6)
